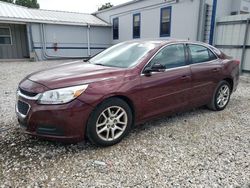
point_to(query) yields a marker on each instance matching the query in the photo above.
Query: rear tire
(109, 123)
(221, 96)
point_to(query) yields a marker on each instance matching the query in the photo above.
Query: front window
(123, 55)
(137, 26)
(165, 27)
(172, 56)
(5, 35)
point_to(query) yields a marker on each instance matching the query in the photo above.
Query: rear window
(222, 55)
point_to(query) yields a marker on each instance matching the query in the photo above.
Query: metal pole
(88, 38)
(244, 46)
(213, 20)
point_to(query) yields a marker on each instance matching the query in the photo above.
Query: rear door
(206, 70)
(167, 91)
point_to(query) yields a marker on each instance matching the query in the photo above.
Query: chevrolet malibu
(125, 85)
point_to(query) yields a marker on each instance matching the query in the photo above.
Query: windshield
(123, 55)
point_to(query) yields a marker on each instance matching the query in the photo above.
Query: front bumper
(65, 123)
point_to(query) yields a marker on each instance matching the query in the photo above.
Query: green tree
(105, 6)
(28, 3)
(8, 1)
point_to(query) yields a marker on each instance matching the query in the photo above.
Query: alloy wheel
(111, 123)
(223, 96)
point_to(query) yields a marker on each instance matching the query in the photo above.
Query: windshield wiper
(100, 64)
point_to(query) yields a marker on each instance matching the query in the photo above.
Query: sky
(85, 6)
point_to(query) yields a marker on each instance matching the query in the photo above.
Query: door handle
(216, 70)
(185, 77)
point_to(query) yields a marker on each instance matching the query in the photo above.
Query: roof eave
(24, 21)
(117, 6)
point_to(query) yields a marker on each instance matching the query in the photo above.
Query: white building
(241, 6)
(185, 19)
(43, 34)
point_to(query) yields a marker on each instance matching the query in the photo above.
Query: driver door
(167, 91)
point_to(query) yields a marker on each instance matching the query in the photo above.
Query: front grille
(22, 107)
(27, 93)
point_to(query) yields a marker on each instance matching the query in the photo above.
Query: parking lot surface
(198, 148)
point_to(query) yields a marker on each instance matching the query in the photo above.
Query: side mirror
(157, 67)
(86, 60)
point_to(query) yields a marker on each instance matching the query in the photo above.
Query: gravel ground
(199, 148)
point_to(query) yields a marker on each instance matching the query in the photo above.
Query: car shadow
(15, 144)
(164, 120)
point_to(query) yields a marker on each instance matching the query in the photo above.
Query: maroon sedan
(125, 85)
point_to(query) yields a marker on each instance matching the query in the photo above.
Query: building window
(116, 28)
(165, 27)
(5, 35)
(136, 25)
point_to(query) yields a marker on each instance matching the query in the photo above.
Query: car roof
(162, 42)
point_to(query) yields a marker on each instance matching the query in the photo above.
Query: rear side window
(200, 54)
(171, 56)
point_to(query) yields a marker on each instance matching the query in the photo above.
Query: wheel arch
(128, 101)
(122, 97)
(230, 81)
(125, 99)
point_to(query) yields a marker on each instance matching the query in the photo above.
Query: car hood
(76, 73)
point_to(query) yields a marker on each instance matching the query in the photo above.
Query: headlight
(61, 96)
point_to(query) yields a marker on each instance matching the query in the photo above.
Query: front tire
(221, 96)
(110, 122)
